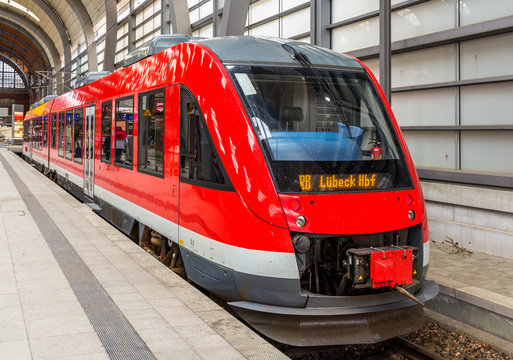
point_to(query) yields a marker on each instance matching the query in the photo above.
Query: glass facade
(448, 97)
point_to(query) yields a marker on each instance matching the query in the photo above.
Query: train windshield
(322, 130)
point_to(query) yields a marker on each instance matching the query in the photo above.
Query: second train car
(270, 172)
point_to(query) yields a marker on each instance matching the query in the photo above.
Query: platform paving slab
(168, 314)
(475, 289)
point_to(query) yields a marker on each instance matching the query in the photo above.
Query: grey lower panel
(423, 291)
(234, 286)
(209, 275)
(120, 339)
(37, 165)
(325, 330)
(115, 216)
(267, 290)
(71, 187)
(353, 321)
(356, 305)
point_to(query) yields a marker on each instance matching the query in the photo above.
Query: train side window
(39, 132)
(69, 134)
(33, 126)
(151, 133)
(77, 135)
(36, 133)
(106, 130)
(26, 129)
(199, 161)
(45, 131)
(124, 132)
(53, 135)
(61, 134)
(32, 132)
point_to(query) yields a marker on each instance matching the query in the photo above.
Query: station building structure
(451, 77)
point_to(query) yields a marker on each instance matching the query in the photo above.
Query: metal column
(178, 17)
(385, 47)
(320, 18)
(234, 17)
(109, 52)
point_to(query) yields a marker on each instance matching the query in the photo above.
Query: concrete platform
(475, 289)
(74, 287)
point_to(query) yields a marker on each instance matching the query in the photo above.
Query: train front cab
(340, 188)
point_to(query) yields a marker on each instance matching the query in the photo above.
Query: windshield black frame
(390, 170)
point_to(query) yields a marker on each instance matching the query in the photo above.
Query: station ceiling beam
(63, 78)
(38, 53)
(15, 41)
(14, 53)
(16, 19)
(20, 32)
(88, 30)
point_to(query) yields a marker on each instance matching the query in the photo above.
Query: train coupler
(382, 266)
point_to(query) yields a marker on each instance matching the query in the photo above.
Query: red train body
(254, 158)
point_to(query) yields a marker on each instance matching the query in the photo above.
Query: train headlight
(300, 221)
(411, 215)
(301, 243)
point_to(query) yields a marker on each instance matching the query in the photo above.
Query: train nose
(350, 213)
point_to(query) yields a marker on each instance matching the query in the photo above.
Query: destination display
(314, 183)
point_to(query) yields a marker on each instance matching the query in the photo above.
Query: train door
(201, 204)
(171, 106)
(89, 151)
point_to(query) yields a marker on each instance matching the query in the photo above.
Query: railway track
(393, 349)
(413, 351)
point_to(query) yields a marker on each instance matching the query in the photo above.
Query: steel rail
(413, 351)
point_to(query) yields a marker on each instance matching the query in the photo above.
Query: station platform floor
(476, 289)
(74, 287)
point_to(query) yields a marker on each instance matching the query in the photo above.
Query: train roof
(266, 50)
(156, 45)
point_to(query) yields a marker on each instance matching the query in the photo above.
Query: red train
(270, 172)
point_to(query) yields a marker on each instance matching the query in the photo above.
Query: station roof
(40, 35)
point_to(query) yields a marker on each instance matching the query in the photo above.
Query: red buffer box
(390, 267)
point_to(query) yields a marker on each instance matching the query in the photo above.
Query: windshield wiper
(306, 63)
